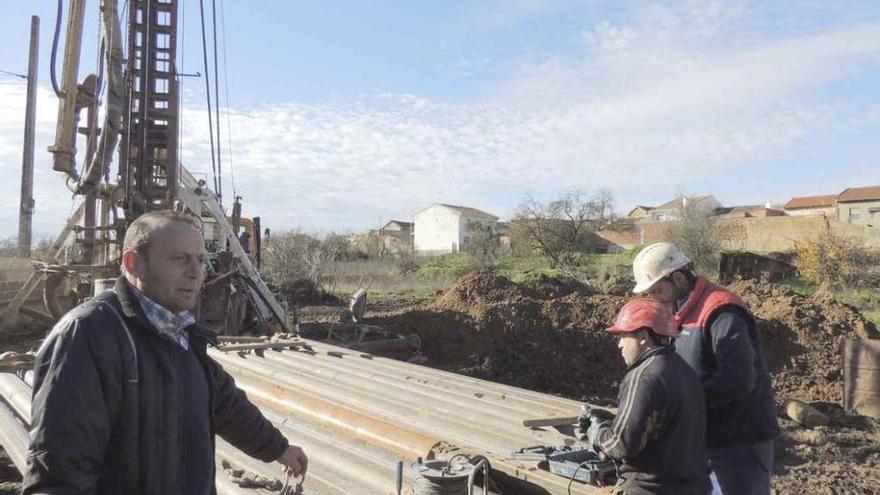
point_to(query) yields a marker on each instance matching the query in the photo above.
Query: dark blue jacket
(106, 415)
(719, 339)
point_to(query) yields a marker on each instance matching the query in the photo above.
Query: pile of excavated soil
(843, 457)
(548, 336)
(547, 287)
(802, 336)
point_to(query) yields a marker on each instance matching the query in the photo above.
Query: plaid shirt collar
(169, 325)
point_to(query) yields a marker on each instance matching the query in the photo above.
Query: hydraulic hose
(55, 50)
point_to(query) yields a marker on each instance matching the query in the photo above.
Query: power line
(228, 105)
(8, 73)
(217, 107)
(180, 83)
(208, 92)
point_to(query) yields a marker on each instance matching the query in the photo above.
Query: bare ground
(548, 337)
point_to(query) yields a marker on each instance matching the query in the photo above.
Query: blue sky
(347, 113)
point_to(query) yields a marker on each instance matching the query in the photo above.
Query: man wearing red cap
(658, 436)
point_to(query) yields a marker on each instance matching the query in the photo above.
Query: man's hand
(294, 459)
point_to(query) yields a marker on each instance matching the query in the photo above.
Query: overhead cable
(217, 107)
(208, 94)
(228, 105)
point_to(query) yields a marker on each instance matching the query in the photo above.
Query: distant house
(396, 235)
(442, 228)
(639, 212)
(753, 211)
(397, 226)
(669, 211)
(859, 205)
(825, 205)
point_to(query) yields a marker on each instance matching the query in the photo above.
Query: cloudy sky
(345, 114)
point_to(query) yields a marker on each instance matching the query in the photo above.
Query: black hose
(55, 50)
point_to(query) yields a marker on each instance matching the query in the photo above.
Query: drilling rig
(140, 86)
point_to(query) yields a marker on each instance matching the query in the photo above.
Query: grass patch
(384, 279)
(447, 266)
(439, 272)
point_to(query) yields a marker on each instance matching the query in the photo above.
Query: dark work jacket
(106, 414)
(719, 339)
(659, 432)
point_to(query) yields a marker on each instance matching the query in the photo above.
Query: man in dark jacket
(126, 399)
(658, 435)
(719, 339)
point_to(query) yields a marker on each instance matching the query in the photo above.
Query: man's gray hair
(137, 237)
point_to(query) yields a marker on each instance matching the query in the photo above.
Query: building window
(855, 214)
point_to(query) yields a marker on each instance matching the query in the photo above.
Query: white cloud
(669, 98)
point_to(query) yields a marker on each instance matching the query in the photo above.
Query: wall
(436, 230)
(771, 233)
(870, 236)
(829, 212)
(866, 217)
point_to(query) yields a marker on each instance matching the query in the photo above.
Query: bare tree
(483, 244)
(696, 231)
(293, 256)
(562, 227)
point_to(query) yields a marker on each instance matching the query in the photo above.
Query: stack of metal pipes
(356, 415)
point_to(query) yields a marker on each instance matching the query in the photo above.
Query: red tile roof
(871, 193)
(800, 202)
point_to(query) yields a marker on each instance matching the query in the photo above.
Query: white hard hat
(655, 262)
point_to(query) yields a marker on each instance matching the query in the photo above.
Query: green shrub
(446, 265)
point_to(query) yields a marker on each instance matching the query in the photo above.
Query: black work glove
(593, 432)
(589, 416)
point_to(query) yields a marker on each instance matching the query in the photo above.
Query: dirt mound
(802, 337)
(547, 287)
(615, 280)
(476, 292)
(548, 336)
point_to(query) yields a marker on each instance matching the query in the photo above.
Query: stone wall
(771, 233)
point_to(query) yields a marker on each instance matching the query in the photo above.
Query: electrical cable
(55, 50)
(574, 474)
(228, 105)
(6, 72)
(217, 107)
(208, 93)
(179, 82)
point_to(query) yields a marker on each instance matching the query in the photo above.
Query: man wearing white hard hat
(719, 339)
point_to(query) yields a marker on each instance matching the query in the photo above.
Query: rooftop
(871, 193)
(799, 202)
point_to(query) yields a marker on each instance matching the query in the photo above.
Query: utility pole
(26, 210)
